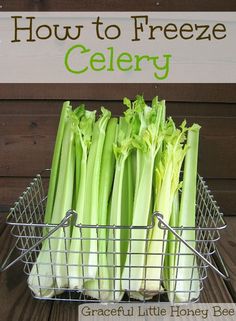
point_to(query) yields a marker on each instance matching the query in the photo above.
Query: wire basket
(50, 278)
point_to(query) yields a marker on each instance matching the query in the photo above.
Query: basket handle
(70, 215)
(224, 275)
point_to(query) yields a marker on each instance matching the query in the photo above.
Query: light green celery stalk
(148, 143)
(142, 111)
(170, 270)
(163, 119)
(136, 115)
(167, 182)
(187, 286)
(102, 281)
(162, 127)
(122, 150)
(63, 203)
(127, 205)
(79, 112)
(143, 295)
(50, 266)
(78, 158)
(66, 109)
(84, 134)
(92, 194)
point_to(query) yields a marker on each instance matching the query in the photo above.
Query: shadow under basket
(118, 267)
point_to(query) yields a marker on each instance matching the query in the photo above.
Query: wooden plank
(29, 155)
(25, 155)
(227, 246)
(64, 311)
(27, 144)
(16, 302)
(35, 124)
(224, 192)
(53, 107)
(116, 5)
(217, 149)
(2, 222)
(26, 125)
(171, 92)
(226, 200)
(211, 126)
(10, 190)
(216, 157)
(184, 109)
(222, 184)
(5, 208)
(215, 290)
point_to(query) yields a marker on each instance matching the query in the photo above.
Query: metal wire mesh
(59, 272)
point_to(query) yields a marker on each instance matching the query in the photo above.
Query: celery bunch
(117, 172)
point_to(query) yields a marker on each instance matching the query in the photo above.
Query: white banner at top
(118, 47)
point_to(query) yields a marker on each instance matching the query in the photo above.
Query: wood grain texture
(215, 290)
(117, 5)
(25, 155)
(171, 92)
(53, 107)
(28, 129)
(10, 190)
(12, 187)
(29, 155)
(16, 302)
(27, 142)
(224, 192)
(64, 311)
(2, 222)
(26, 125)
(47, 124)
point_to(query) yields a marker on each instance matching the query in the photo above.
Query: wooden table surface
(16, 302)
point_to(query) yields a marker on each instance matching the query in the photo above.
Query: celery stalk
(140, 206)
(115, 219)
(170, 259)
(187, 286)
(79, 112)
(55, 162)
(167, 182)
(122, 150)
(127, 205)
(148, 143)
(50, 265)
(92, 193)
(63, 202)
(102, 281)
(84, 134)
